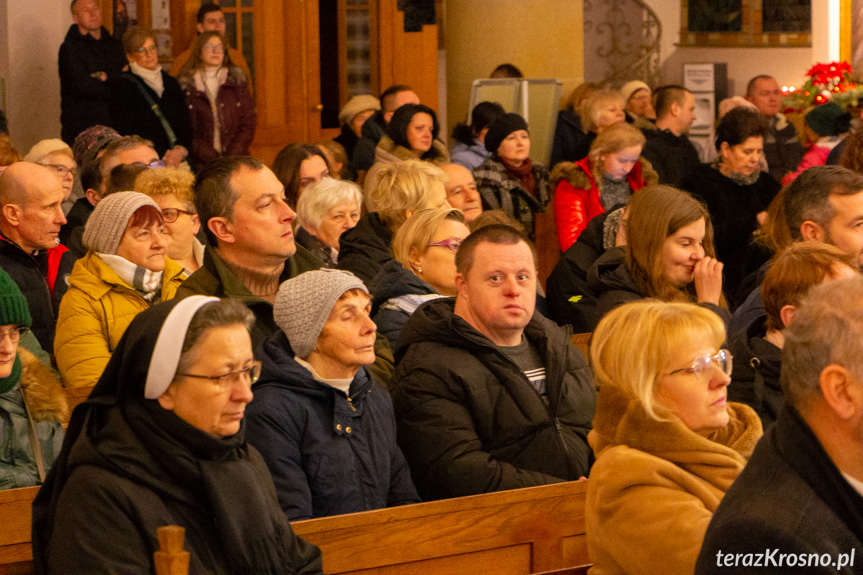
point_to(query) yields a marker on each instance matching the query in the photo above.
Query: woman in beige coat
(668, 445)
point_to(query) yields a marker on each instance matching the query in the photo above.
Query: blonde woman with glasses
(668, 444)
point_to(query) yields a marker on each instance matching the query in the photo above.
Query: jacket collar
(96, 278)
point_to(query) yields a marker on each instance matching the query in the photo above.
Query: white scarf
(340, 384)
(152, 78)
(208, 81)
(138, 277)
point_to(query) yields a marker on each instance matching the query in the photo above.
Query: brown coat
(655, 484)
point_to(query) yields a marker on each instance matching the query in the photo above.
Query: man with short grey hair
(799, 501)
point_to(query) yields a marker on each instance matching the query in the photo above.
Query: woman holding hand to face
(669, 255)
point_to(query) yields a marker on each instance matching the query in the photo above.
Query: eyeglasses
(145, 49)
(227, 380)
(153, 164)
(62, 170)
(702, 367)
(452, 244)
(214, 48)
(170, 215)
(14, 334)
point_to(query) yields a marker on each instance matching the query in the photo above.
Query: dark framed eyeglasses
(227, 380)
(15, 334)
(170, 215)
(452, 244)
(62, 170)
(702, 367)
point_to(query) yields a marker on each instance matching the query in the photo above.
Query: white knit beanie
(45, 147)
(631, 88)
(109, 219)
(304, 303)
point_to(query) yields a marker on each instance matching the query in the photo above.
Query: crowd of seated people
(363, 323)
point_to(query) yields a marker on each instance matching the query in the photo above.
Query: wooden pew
(16, 556)
(581, 341)
(520, 531)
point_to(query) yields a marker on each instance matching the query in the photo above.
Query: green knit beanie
(13, 304)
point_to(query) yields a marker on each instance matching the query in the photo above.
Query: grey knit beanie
(108, 222)
(304, 303)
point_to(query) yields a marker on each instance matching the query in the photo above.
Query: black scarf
(212, 474)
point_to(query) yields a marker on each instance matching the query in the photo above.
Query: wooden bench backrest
(518, 532)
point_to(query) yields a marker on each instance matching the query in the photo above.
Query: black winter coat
(790, 499)
(611, 281)
(84, 100)
(394, 281)
(755, 375)
(568, 294)
(732, 210)
(372, 131)
(366, 247)
(31, 272)
(328, 453)
(571, 143)
(469, 421)
(132, 114)
(673, 157)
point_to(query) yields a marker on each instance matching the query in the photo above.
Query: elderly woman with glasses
(161, 441)
(324, 426)
(423, 268)
(326, 210)
(57, 156)
(668, 444)
(147, 102)
(174, 191)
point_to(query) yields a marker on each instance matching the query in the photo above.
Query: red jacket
(577, 196)
(236, 114)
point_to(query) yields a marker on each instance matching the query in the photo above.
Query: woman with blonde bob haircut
(606, 178)
(669, 255)
(605, 108)
(663, 433)
(423, 268)
(325, 211)
(402, 189)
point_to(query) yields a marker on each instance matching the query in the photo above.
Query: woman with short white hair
(327, 209)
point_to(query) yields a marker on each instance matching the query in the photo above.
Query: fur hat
(502, 127)
(356, 105)
(304, 303)
(109, 219)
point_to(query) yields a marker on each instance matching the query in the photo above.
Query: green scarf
(9, 382)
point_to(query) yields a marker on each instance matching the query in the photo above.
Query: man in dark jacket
(799, 501)
(668, 148)
(782, 146)
(89, 58)
(489, 395)
(31, 199)
(375, 127)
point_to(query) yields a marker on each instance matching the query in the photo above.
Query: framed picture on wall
(746, 23)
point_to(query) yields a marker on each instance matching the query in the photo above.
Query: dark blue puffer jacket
(328, 453)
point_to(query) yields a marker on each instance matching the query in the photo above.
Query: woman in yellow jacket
(124, 272)
(667, 442)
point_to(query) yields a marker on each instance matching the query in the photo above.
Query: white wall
(31, 32)
(787, 65)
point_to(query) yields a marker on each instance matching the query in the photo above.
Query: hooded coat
(329, 453)
(578, 195)
(470, 156)
(655, 484)
(755, 375)
(396, 293)
(469, 420)
(95, 313)
(46, 403)
(128, 467)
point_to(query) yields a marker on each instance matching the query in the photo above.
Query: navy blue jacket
(394, 281)
(328, 453)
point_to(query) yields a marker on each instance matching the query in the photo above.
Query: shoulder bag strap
(34, 441)
(172, 138)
